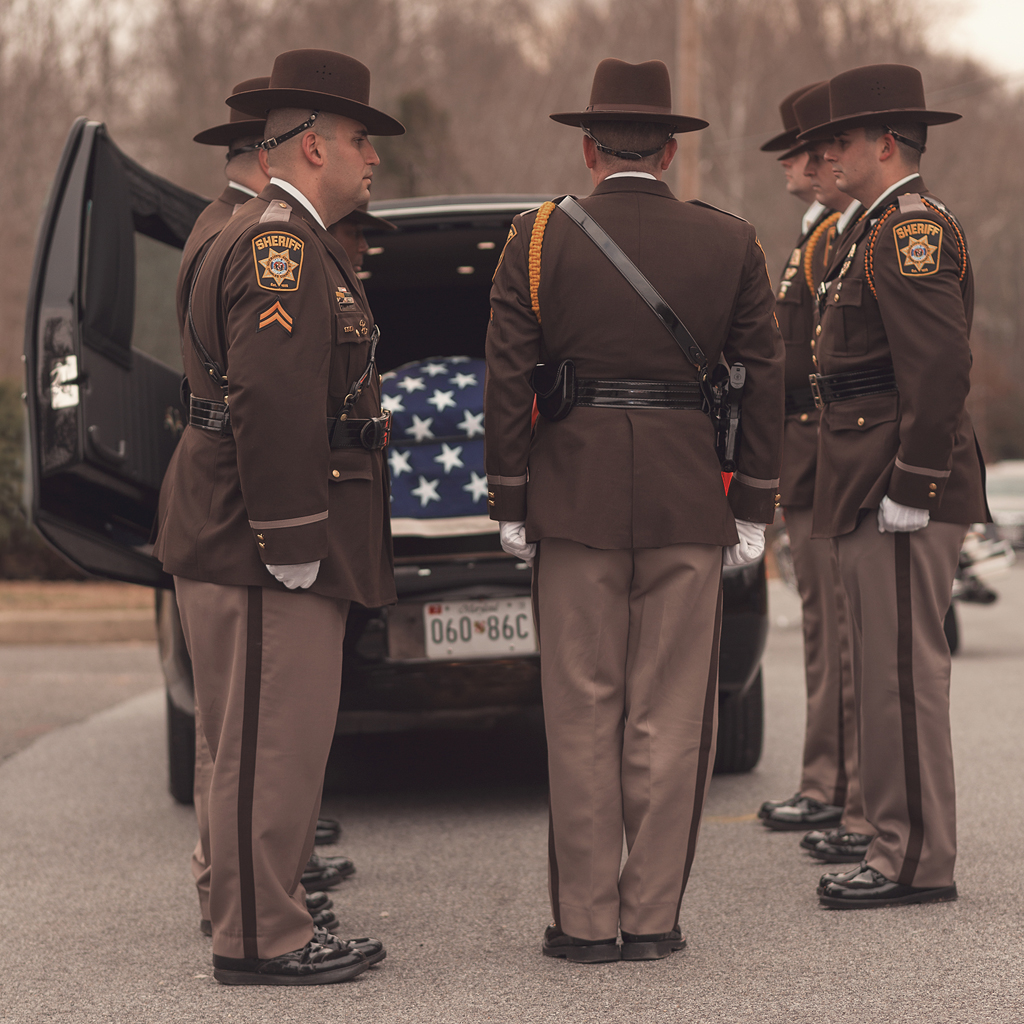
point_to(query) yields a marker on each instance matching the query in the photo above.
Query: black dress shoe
(811, 839)
(841, 847)
(326, 872)
(769, 805)
(580, 951)
(839, 876)
(327, 831)
(372, 949)
(651, 947)
(870, 888)
(317, 963)
(319, 905)
(802, 812)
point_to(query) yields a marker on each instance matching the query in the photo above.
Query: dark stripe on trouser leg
(247, 768)
(707, 738)
(842, 631)
(553, 872)
(908, 708)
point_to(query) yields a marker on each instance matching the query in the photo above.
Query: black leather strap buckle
(373, 434)
(376, 433)
(214, 417)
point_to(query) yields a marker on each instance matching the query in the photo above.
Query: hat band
(625, 154)
(640, 108)
(269, 144)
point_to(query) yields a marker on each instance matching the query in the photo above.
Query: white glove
(896, 518)
(750, 547)
(513, 540)
(301, 575)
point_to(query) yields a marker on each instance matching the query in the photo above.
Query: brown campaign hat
(320, 80)
(875, 95)
(364, 219)
(812, 109)
(787, 138)
(631, 92)
(239, 125)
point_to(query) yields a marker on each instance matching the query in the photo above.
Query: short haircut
(279, 122)
(915, 131)
(631, 137)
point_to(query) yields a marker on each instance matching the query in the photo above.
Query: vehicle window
(155, 329)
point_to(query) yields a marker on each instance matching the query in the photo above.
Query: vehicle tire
(181, 752)
(951, 628)
(740, 729)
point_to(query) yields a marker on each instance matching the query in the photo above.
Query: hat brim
(785, 140)
(259, 101)
(232, 131)
(829, 130)
(800, 147)
(677, 122)
(368, 220)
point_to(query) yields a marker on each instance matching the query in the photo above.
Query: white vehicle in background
(1005, 488)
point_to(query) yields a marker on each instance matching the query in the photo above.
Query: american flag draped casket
(436, 455)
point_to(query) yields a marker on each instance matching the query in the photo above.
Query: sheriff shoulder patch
(278, 259)
(277, 314)
(919, 246)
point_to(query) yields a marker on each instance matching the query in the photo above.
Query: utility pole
(687, 89)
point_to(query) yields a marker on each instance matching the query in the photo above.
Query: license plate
(479, 629)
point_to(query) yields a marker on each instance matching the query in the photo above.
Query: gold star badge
(279, 266)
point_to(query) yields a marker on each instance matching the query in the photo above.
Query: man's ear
(589, 152)
(667, 156)
(264, 161)
(312, 148)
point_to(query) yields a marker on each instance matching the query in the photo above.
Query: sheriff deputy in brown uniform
(247, 173)
(899, 475)
(277, 512)
(829, 793)
(622, 504)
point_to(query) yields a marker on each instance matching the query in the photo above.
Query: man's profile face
(819, 174)
(793, 169)
(853, 158)
(349, 162)
(352, 240)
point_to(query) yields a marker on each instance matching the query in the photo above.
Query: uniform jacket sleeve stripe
(753, 481)
(281, 524)
(922, 470)
(506, 481)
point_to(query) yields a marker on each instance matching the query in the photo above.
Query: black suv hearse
(103, 368)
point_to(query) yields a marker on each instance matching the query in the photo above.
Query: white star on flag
(399, 462)
(420, 429)
(449, 458)
(427, 491)
(458, 359)
(462, 380)
(412, 384)
(477, 487)
(472, 423)
(392, 403)
(442, 400)
(434, 368)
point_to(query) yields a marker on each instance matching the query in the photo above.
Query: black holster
(555, 387)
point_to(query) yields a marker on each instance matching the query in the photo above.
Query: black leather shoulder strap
(211, 366)
(629, 270)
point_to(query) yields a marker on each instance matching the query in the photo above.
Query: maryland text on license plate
(479, 629)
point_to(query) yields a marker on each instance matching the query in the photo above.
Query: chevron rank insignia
(275, 315)
(919, 243)
(278, 259)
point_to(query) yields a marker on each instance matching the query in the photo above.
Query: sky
(989, 30)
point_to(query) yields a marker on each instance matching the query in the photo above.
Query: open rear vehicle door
(102, 356)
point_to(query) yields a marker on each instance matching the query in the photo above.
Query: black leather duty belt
(372, 434)
(841, 387)
(638, 394)
(799, 400)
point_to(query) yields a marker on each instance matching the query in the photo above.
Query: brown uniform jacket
(279, 307)
(905, 300)
(795, 310)
(616, 478)
(207, 227)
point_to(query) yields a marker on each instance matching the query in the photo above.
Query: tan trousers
(629, 671)
(201, 802)
(898, 586)
(830, 773)
(267, 669)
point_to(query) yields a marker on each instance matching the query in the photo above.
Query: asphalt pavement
(98, 921)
